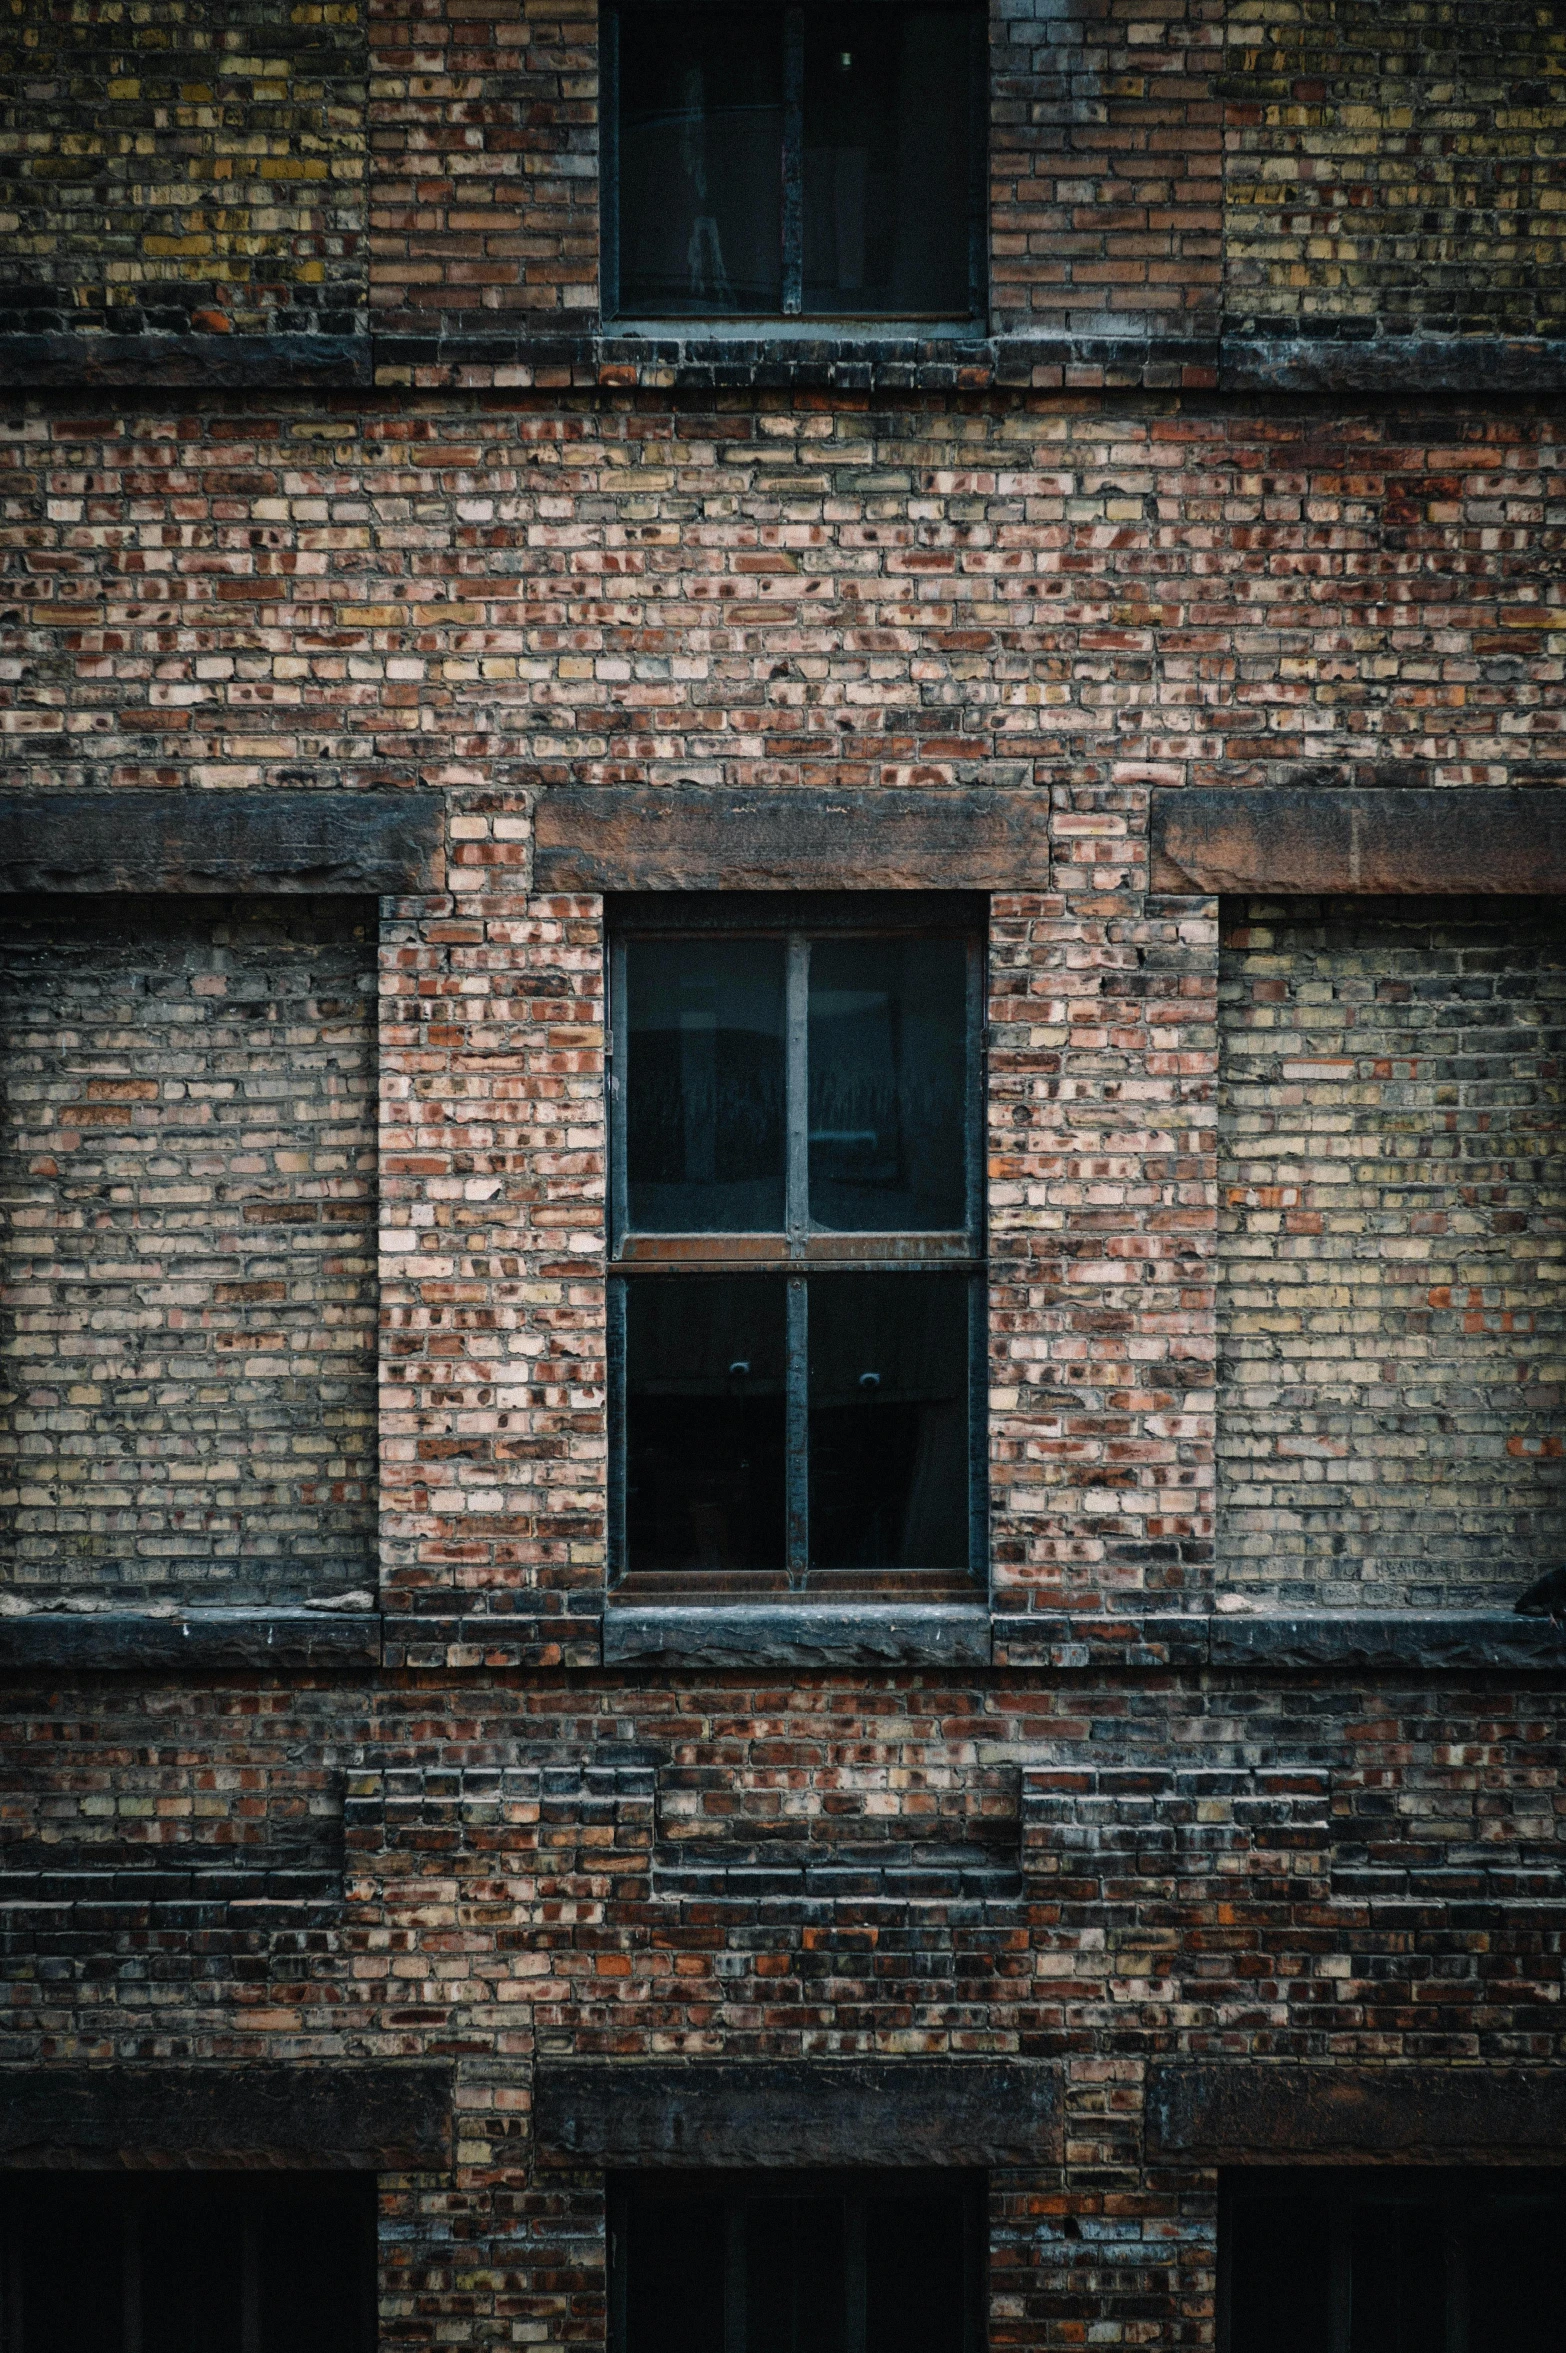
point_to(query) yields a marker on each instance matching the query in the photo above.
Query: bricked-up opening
(187, 1173)
(91, 2263)
(796, 2262)
(1416, 2261)
(1392, 1303)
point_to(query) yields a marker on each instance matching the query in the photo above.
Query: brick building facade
(385, 625)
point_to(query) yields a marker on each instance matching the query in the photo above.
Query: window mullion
(796, 1197)
(796, 1439)
(793, 161)
(734, 2297)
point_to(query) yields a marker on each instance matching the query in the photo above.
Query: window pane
(914, 2275)
(887, 143)
(705, 1357)
(889, 1422)
(704, 1080)
(69, 2254)
(794, 2275)
(191, 2254)
(316, 2266)
(674, 2275)
(888, 1050)
(1399, 2280)
(701, 142)
(1280, 2275)
(1517, 2274)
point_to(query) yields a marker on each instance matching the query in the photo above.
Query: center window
(797, 1295)
(815, 160)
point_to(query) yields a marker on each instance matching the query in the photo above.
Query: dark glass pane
(674, 2275)
(888, 1051)
(889, 1422)
(704, 1079)
(1517, 2274)
(705, 1358)
(69, 2255)
(317, 2276)
(1279, 2275)
(914, 2275)
(887, 149)
(1399, 2280)
(794, 2275)
(191, 2264)
(701, 143)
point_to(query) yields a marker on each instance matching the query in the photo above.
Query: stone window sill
(105, 1640)
(803, 1633)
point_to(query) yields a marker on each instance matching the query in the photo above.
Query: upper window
(814, 161)
(1395, 2260)
(162, 2263)
(798, 1313)
(796, 2263)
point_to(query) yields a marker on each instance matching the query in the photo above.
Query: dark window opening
(798, 1303)
(1412, 2261)
(796, 2263)
(148, 2263)
(813, 160)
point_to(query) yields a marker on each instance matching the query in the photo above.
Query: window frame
(798, 1252)
(751, 325)
(856, 2186)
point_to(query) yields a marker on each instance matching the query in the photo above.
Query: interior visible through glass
(701, 178)
(889, 1421)
(887, 1059)
(705, 1421)
(886, 165)
(705, 1085)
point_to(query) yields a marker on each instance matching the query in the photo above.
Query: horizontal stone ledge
(370, 2117)
(639, 838)
(198, 362)
(1448, 1639)
(1318, 841)
(1484, 365)
(803, 1634)
(1235, 2109)
(485, 1639)
(934, 2111)
(108, 1641)
(379, 844)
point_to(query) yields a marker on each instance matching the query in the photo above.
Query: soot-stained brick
(190, 1300)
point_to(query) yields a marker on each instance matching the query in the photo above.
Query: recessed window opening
(187, 2263)
(1384, 2261)
(798, 1297)
(815, 161)
(796, 2263)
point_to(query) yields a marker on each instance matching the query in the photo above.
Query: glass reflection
(704, 1081)
(887, 143)
(705, 1422)
(889, 1422)
(888, 1039)
(701, 141)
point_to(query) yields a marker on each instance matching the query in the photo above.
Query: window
(814, 161)
(149, 2263)
(1392, 2262)
(797, 1310)
(796, 2263)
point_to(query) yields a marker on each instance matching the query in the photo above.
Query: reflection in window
(705, 1078)
(705, 1422)
(889, 1422)
(887, 1047)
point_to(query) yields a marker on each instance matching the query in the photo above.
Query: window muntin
(797, 1303)
(1414, 2260)
(146, 2263)
(796, 2263)
(810, 160)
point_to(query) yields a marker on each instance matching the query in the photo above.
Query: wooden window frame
(856, 2187)
(856, 325)
(798, 1252)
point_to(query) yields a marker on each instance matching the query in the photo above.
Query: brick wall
(189, 1195)
(1392, 1250)
(172, 166)
(1393, 166)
